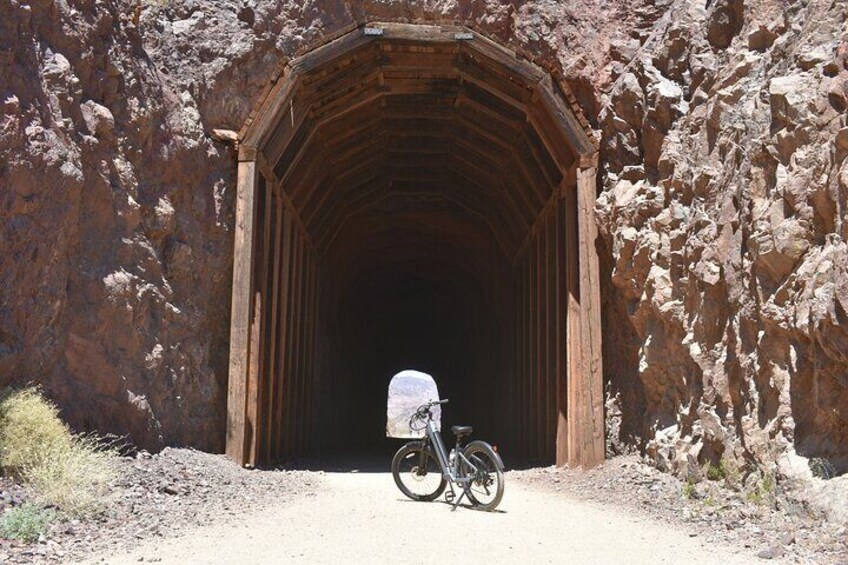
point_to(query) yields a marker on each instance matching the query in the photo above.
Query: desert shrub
(25, 522)
(68, 471)
(30, 428)
(716, 472)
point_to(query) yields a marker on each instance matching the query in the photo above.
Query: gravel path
(362, 517)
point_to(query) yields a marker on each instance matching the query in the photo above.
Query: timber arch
(415, 196)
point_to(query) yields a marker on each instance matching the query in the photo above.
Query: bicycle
(423, 469)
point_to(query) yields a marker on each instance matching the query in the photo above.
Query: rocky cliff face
(721, 205)
(724, 212)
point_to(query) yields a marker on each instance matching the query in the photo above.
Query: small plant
(688, 490)
(25, 522)
(767, 484)
(755, 497)
(822, 468)
(68, 471)
(716, 472)
(763, 490)
(30, 430)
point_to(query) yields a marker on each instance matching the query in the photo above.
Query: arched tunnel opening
(414, 197)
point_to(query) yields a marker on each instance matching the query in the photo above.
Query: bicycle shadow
(463, 505)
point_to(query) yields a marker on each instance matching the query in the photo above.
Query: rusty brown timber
(397, 149)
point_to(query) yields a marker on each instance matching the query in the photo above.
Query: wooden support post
(272, 371)
(259, 329)
(573, 331)
(527, 373)
(242, 306)
(550, 345)
(303, 349)
(539, 252)
(290, 403)
(285, 308)
(297, 314)
(591, 399)
(562, 347)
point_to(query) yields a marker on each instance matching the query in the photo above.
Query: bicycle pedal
(449, 496)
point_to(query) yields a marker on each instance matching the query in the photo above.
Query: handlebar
(423, 412)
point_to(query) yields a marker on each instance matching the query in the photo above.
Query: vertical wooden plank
(553, 320)
(316, 367)
(539, 250)
(291, 407)
(561, 337)
(303, 371)
(533, 353)
(512, 337)
(273, 368)
(526, 354)
(310, 358)
(241, 309)
(258, 328)
(296, 337)
(283, 337)
(590, 314)
(573, 331)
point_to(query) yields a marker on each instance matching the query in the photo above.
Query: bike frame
(449, 472)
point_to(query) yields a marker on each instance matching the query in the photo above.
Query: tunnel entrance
(420, 197)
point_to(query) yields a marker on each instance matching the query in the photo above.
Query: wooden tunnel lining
(360, 121)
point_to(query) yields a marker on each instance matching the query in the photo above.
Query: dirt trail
(363, 518)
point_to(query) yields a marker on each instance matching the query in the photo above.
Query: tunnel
(414, 197)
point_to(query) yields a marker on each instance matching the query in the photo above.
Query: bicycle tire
(489, 466)
(407, 462)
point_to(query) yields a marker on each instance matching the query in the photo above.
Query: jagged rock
(742, 269)
(724, 22)
(98, 119)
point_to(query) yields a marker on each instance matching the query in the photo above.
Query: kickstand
(454, 500)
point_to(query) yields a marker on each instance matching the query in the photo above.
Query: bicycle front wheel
(486, 487)
(417, 473)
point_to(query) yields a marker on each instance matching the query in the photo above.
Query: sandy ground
(363, 518)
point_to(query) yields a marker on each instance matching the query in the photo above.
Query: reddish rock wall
(722, 205)
(724, 210)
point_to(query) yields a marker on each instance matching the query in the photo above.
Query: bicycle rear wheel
(417, 473)
(487, 485)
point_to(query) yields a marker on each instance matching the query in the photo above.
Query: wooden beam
(258, 329)
(552, 345)
(561, 457)
(574, 334)
(282, 338)
(273, 367)
(592, 402)
(241, 308)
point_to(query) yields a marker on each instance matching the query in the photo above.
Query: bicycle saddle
(459, 431)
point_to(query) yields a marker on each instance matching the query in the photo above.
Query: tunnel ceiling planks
(408, 114)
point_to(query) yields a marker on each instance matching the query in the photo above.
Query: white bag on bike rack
(407, 391)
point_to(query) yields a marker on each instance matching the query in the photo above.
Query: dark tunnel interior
(413, 296)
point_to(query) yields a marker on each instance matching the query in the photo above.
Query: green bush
(25, 522)
(71, 472)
